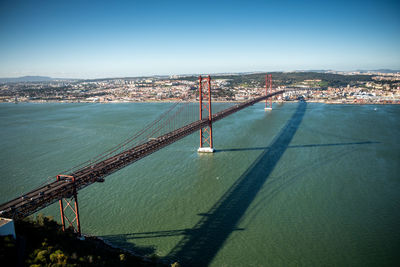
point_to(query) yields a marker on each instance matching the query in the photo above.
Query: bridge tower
(206, 138)
(70, 212)
(268, 90)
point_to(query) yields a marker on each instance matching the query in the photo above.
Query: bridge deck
(44, 196)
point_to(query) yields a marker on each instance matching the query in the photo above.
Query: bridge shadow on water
(296, 146)
(200, 244)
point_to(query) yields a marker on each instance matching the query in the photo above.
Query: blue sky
(89, 39)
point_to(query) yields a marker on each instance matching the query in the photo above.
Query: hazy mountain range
(46, 78)
(26, 79)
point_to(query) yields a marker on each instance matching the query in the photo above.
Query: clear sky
(89, 39)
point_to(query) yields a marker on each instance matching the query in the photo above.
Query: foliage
(42, 242)
(7, 249)
(290, 78)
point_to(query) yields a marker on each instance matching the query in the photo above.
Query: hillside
(41, 242)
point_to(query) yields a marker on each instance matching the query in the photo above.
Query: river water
(304, 185)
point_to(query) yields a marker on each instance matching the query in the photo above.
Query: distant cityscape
(328, 87)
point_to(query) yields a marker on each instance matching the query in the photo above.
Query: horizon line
(215, 73)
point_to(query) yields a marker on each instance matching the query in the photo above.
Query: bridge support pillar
(268, 90)
(206, 138)
(70, 211)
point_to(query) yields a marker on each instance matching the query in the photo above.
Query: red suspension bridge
(181, 120)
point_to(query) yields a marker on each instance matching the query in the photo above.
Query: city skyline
(93, 40)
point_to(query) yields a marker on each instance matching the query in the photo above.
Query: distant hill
(318, 71)
(26, 79)
(289, 78)
(386, 71)
(379, 70)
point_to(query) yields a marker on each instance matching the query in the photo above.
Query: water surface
(304, 185)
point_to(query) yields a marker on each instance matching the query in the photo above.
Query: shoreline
(388, 102)
(39, 239)
(106, 243)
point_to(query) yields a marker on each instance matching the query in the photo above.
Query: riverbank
(42, 242)
(331, 102)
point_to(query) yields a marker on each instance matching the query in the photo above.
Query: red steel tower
(71, 206)
(268, 90)
(206, 140)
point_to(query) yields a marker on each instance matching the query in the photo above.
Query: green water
(304, 185)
